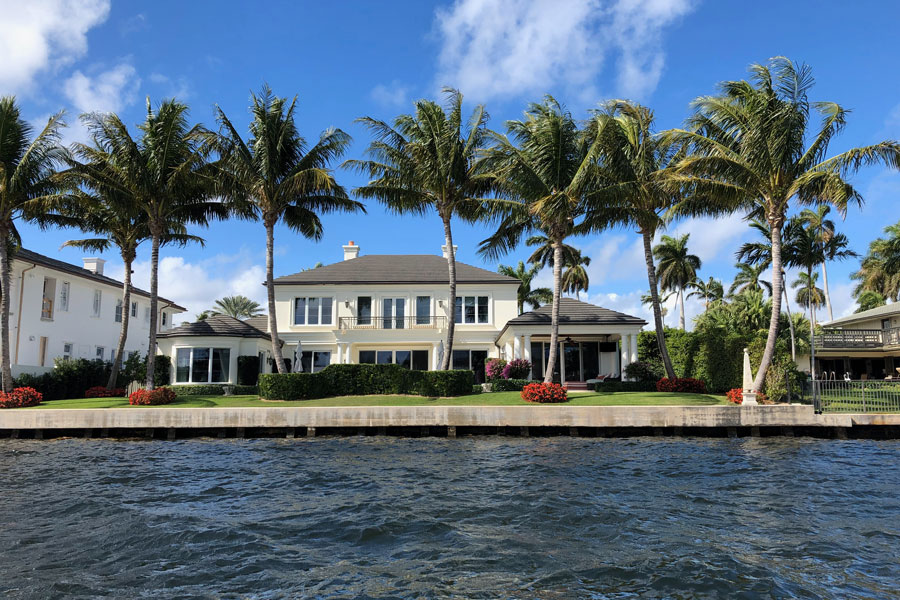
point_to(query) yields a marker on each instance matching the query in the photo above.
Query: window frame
(120, 311)
(97, 306)
(211, 350)
(99, 352)
(65, 290)
(428, 317)
(319, 314)
(476, 307)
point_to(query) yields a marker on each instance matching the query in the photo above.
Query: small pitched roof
(53, 263)
(386, 269)
(575, 312)
(873, 313)
(216, 325)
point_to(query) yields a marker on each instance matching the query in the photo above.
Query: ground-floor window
(313, 361)
(202, 365)
(417, 360)
(472, 360)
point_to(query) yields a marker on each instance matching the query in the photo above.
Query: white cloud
(172, 88)
(505, 48)
(710, 237)
(106, 91)
(395, 94)
(43, 34)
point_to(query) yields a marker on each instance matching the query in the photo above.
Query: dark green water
(439, 518)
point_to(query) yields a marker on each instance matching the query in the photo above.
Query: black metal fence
(842, 396)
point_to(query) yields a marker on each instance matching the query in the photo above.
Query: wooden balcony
(417, 322)
(858, 338)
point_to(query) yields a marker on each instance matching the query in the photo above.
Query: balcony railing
(417, 322)
(858, 338)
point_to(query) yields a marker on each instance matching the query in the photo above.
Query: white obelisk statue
(748, 392)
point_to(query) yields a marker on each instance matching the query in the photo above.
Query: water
(439, 518)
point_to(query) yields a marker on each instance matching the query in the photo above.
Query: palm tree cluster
(547, 178)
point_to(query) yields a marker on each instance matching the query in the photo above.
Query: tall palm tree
(426, 162)
(709, 291)
(543, 251)
(164, 174)
(276, 177)
(867, 300)
(662, 297)
(575, 277)
(809, 295)
(879, 270)
(676, 267)
(120, 224)
(749, 154)
(239, 307)
(749, 277)
(834, 245)
(635, 190)
(29, 189)
(544, 169)
(534, 297)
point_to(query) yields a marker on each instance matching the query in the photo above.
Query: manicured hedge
(681, 385)
(510, 385)
(615, 385)
(246, 390)
(213, 389)
(361, 380)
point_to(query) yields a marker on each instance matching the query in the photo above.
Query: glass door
(572, 359)
(393, 313)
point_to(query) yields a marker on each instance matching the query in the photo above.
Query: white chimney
(94, 265)
(351, 250)
(444, 250)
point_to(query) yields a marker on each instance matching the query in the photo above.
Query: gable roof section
(885, 311)
(387, 269)
(575, 312)
(58, 265)
(216, 326)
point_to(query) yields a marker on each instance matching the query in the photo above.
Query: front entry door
(572, 360)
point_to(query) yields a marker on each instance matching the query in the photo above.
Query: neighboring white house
(395, 309)
(60, 310)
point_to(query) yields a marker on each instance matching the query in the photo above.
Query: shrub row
(213, 389)
(155, 397)
(100, 391)
(20, 398)
(545, 393)
(681, 385)
(70, 378)
(616, 385)
(361, 380)
(510, 385)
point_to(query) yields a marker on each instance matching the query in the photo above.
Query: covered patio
(594, 342)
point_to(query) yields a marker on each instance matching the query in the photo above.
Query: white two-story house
(61, 310)
(395, 309)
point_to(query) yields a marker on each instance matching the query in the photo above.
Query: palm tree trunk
(657, 312)
(812, 324)
(787, 309)
(5, 367)
(681, 323)
(451, 268)
(270, 295)
(554, 312)
(777, 288)
(154, 301)
(827, 294)
(123, 333)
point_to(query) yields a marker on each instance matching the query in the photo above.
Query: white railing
(858, 338)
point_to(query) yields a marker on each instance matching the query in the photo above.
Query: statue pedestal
(749, 398)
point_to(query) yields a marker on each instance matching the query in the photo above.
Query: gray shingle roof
(872, 313)
(573, 311)
(53, 263)
(216, 325)
(389, 269)
(261, 322)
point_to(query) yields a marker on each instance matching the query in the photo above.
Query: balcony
(858, 338)
(418, 322)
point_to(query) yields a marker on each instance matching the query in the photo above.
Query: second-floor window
(67, 351)
(423, 310)
(48, 298)
(313, 310)
(64, 296)
(364, 310)
(164, 318)
(100, 352)
(134, 310)
(118, 311)
(471, 309)
(147, 315)
(98, 297)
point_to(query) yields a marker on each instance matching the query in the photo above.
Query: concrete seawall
(730, 419)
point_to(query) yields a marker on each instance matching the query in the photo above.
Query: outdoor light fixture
(441, 303)
(346, 304)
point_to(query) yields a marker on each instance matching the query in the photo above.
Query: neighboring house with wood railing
(61, 310)
(864, 345)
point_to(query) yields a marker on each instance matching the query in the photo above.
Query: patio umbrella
(440, 359)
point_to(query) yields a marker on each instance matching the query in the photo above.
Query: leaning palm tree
(749, 154)
(533, 297)
(276, 178)
(425, 163)
(29, 189)
(120, 224)
(749, 277)
(575, 277)
(834, 245)
(543, 169)
(710, 292)
(635, 191)
(164, 174)
(676, 267)
(239, 307)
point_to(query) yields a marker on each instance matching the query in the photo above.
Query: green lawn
(492, 399)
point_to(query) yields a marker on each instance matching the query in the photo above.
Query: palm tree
(749, 277)
(543, 251)
(867, 300)
(535, 297)
(425, 162)
(710, 291)
(635, 190)
(29, 189)
(239, 307)
(809, 296)
(121, 224)
(543, 169)
(676, 267)
(807, 253)
(575, 278)
(202, 316)
(276, 178)
(749, 154)
(879, 270)
(661, 298)
(164, 174)
(834, 245)
(750, 310)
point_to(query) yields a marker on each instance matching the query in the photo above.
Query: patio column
(517, 348)
(435, 348)
(626, 354)
(340, 353)
(508, 349)
(634, 347)
(347, 350)
(526, 351)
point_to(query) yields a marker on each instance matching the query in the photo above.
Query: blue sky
(348, 59)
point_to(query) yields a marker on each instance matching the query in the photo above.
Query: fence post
(863, 384)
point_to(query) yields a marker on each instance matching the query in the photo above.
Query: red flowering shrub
(155, 397)
(736, 396)
(681, 385)
(545, 393)
(21, 397)
(100, 391)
